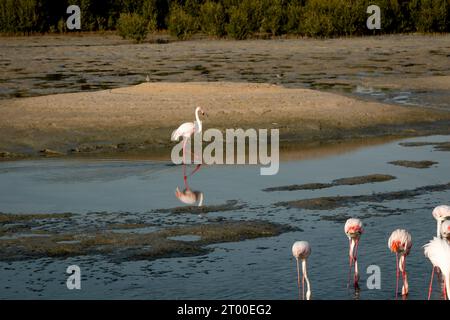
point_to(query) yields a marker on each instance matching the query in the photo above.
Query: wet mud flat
(424, 164)
(139, 119)
(330, 203)
(373, 178)
(24, 237)
(438, 146)
(366, 66)
(402, 70)
(133, 238)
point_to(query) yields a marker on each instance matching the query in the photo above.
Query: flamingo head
(397, 246)
(400, 242)
(445, 229)
(441, 212)
(301, 249)
(200, 110)
(353, 228)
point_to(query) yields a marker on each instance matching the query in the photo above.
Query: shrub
(62, 26)
(150, 14)
(349, 17)
(273, 17)
(132, 26)
(238, 27)
(430, 15)
(318, 19)
(213, 18)
(294, 17)
(181, 24)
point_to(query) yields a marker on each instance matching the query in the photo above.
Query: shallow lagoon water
(253, 269)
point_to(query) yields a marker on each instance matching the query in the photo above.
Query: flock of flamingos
(400, 241)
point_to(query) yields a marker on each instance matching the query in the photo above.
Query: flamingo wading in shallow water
(400, 243)
(438, 251)
(353, 229)
(186, 130)
(301, 251)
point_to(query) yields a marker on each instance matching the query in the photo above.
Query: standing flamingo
(353, 229)
(301, 251)
(441, 213)
(400, 243)
(445, 230)
(186, 130)
(438, 251)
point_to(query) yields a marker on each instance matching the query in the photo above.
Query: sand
(142, 117)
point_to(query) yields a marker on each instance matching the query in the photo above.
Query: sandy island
(140, 118)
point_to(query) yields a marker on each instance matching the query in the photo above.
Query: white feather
(402, 236)
(185, 130)
(441, 212)
(438, 251)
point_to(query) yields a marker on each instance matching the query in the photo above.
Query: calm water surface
(252, 269)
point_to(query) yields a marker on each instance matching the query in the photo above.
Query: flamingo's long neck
(305, 274)
(354, 259)
(439, 222)
(197, 118)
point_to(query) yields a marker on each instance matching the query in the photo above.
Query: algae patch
(425, 164)
(372, 178)
(438, 146)
(230, 205)
(164, 243)
(330, 203)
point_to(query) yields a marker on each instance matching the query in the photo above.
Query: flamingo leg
(186, 185)
(184, 159)
(397, 275)
(444, 290)
(350, 262)
(404, 277)
(298, 280)
(356, 276)
(430, 288)
(303, 286)
(196, 169)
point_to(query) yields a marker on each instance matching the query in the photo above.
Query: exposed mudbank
(438, 146)
(381, 211)
(330, 203)
(14, 218)
(228, 206)
(424, 164)
(372, 178)
(132, 246)
(5, 155)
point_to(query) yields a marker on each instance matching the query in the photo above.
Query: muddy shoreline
(138, 120)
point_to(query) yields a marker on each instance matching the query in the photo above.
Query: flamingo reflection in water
(189, 197)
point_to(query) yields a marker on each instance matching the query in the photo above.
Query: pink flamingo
(400, 243)
(189, 197)
(186, 130)
(353, 229)
(301, 251)
(438, 251)
(440, 213)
